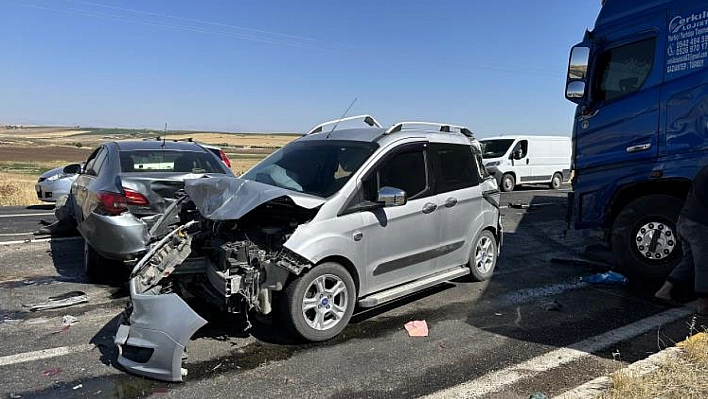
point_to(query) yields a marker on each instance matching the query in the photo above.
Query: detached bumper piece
(153, 343)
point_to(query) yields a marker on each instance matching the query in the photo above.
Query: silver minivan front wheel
(484, 256)
(319, 303)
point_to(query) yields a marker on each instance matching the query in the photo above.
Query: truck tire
(644, 239)
(507, 182)
(556, 181)
(484, 256)
(318, 304)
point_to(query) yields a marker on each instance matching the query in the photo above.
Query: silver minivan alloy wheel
(324, 303)
(484, 255)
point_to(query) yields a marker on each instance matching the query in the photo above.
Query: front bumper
(151, 342)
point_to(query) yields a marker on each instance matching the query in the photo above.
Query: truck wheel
(94, 264)
(319, 303)
(644, 239)
(484, 257)
(507, 183)
(556, 181)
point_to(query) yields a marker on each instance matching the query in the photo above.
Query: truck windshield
(495, 148)
(314, 167)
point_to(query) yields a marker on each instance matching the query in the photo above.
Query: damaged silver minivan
(337, 219)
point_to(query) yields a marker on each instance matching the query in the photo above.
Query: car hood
(52, 172)
(230, 198)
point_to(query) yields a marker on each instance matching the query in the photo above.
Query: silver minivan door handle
(429, 207)
(638, 148)
(450, 202)
(358, 235)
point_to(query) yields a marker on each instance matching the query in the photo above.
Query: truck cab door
(620, 122)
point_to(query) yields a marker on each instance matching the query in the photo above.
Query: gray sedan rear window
(168, 161)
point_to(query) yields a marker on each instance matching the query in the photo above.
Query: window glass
(320, 167)
(495, 148)
(406, 171)
(522, 148)
(92, 160)
(456, 167)
(159, 160)
(101, 160)
(93, 166)
(623, 70)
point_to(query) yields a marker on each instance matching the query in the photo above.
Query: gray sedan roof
(158, 144)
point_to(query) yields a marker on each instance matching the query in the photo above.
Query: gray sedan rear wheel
(319, 304)
(93, 263)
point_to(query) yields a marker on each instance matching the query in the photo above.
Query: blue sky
(496, 66)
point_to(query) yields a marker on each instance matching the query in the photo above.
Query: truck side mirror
(72, 169)
(577, 73)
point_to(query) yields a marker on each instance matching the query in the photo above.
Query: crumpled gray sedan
(124, 187)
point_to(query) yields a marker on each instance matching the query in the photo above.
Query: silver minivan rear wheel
(484, 256)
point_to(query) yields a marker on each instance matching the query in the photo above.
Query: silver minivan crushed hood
(230, 198)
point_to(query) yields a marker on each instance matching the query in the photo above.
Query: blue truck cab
(640, 134)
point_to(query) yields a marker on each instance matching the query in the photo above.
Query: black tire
(94, 264)
(653, 214)
(302, 288)
(484, 256)
(507, 183)
(556, 181)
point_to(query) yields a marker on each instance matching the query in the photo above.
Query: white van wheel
(556, 181)
(508, 182)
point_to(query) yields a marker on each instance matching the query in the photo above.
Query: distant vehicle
(333, 220)
(517, 160)
(640, 134)
(56, 183)
(125, 186)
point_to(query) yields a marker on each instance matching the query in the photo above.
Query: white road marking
(43, 354)
(499, 380)
(30, 241)
(19, 215)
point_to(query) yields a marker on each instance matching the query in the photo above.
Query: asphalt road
(534, 327)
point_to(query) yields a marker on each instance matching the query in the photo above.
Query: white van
(515, 160)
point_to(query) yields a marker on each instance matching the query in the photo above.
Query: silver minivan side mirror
(391, 196)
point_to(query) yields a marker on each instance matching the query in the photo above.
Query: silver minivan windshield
(317, 167)
(495, 148)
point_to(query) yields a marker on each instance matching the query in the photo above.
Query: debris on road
(69, 320)
(552, 306)
(519, 206)
(498, 314)
(538, 395)
(417, 328)
(78, 387)
(51, 372)
(15, 396)
(609, 278)
(69, 299)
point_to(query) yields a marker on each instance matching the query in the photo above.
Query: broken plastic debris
(51, 372)
(552, 306)
(538, 395)
(15, 396)
(498, 314)
(78, 387)
(417, 328)
(69, 320)
(606, 278)
(60, 301)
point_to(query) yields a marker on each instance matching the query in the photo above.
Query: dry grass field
(684, 377)
(28, 152)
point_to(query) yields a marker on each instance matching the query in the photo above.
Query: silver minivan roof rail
(442, 127)
(368, 119)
